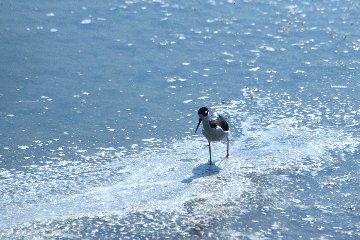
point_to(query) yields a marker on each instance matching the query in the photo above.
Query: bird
(214, 129)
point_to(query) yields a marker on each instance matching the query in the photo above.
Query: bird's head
(203, 113)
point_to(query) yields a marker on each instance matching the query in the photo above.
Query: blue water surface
(98, 106)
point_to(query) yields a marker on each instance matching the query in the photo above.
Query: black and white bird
(214, 129)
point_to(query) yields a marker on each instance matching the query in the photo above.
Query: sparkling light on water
(98, 105)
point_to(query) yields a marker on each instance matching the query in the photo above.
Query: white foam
(254, 69)
(166, 179)
(86, 21)
(23, 147)
(175, 175)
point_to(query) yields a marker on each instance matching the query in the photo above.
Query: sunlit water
(98, 106)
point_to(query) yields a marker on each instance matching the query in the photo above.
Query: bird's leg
(210, 162)
(227, 148)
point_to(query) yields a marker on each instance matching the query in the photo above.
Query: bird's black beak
(197, 125)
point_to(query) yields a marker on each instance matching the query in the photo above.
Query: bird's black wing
(221, 122)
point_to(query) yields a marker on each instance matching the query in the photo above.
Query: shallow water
(98, 105)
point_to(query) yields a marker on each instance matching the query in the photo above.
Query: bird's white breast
(213, 134)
